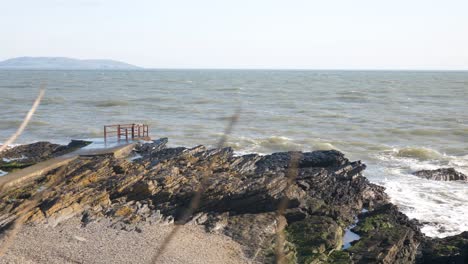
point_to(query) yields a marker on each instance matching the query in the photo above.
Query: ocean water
(396, 122)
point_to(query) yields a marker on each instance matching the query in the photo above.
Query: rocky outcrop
(23, 156)
(241, 196)
(444, 174)
(387, 236)
(26, 155)
(446, 250)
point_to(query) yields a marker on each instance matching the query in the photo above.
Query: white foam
(271, 144)
(13, 159)
(10, 146)
(460, 163)
(441, 206)
(242, 153)
(264, 145)
(3, 173)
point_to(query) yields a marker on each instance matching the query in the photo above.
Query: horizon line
(241, 69)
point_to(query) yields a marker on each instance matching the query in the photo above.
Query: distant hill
(62, 63)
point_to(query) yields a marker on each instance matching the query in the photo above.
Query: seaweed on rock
(240, 199)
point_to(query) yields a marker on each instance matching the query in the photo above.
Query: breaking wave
(267, 145)
(441, 212)
(440, 206)
(363, 115)
(418, 153)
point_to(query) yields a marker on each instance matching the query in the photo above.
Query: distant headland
(63, 63)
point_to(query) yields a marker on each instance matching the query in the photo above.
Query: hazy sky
(314, 34)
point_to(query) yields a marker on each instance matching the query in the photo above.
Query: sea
(396, 122)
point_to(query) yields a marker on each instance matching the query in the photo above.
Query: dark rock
(149, 148)
(73, 145)
(282, 160)
(240, 198)
(255, 231)
(314, 238)
(453, 249)
(444, 174)
(245, 163)
(387, 236)
(31, 152)
(23, 156)
(165, 154)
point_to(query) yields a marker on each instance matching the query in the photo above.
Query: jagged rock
(282, 160)
(444, 174)
(453, 249)
(32, 151)
(245, 163)
(240, 198)
(149, 148)
(73, 145)
(387, 236)
(255, 231)
(23, 156)
(26, 155)
(314, 238)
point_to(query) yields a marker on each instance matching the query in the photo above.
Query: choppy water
(396, 122)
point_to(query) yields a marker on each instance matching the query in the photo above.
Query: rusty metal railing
(127, 131)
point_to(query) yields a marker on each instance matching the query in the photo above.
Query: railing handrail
(136, 130)
(122, 125)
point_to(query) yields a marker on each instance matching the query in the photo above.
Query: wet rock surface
(453, 249)
(387, 236)
(240, 200)
(23, 156)
(444, 174)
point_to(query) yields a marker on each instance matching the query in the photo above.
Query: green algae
(339, 257)
(289, 250)
(447, 250)
(14, 165)
(314, 238)
(376, 222)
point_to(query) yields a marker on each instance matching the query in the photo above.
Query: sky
(272, 34)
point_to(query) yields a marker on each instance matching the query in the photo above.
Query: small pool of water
(349, 237)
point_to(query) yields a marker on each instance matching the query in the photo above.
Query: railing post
(130, 131)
